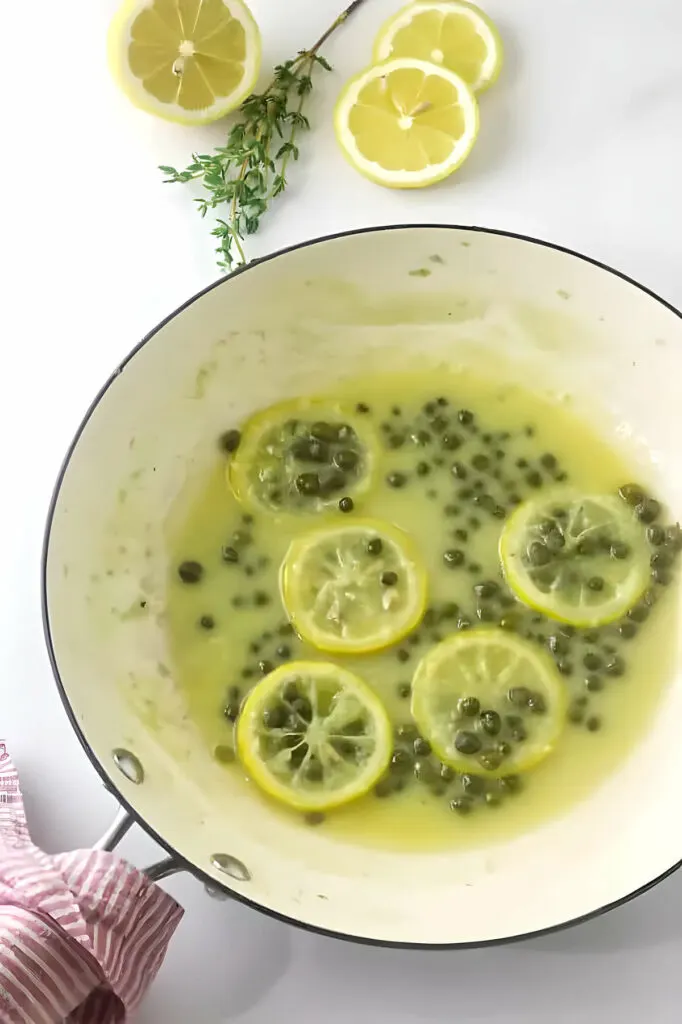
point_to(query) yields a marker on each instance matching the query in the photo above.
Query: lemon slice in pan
(354, 587)
(302, 457)
(581, 559)
(314, 736)
(488, 702)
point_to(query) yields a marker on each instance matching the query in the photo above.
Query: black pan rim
(108, 778)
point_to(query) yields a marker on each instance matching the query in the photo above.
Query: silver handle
(164, 868)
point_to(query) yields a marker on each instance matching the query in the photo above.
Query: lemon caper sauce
(365, 532)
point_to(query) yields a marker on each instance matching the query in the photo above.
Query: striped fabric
(82, 934)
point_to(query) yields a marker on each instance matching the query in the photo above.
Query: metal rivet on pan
(128, 765)
(230, 866)
(215, 892)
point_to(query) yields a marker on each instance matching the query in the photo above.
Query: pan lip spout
(110, 780)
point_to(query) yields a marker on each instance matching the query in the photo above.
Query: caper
(558, 644)
(661, 560)
(308, 484)
(537, 704)
(231, 711)
(490, 760)
(639, 613)
(421, 747)
(362, 408)
(396, 441)
(207, 622)
(519, 695)
(595, 583)
(224, 754)
(309, 450)
(229, 441)
(565, 666)
(400, 762)
(396, 479)
(459, 470)
(465, 417)
(480, 462)
(469, 707)
(549, 461)
(265, 667)
(593, 723)
(619, 550)
(655, 535)
(627, 630)
(389, 578)
(461, 805)
(509, 784)
(229, 555)
(632, 494)
(467, 742)
(422, 469)
(402, 654)
(261, 599)
(661, 576)
(450, 442)
(384, 788)
(647, 510)
(486, 590)
(472, 784)
(615, 666)
(346, 504)
(594, 683)
(592, 661)
(190, 572)
(328, 432)
(673, 537)
(447, 773)
(424, 771)
(491, 722)
(534, 479)
(538, 553)
(453, 557)
(283, 651)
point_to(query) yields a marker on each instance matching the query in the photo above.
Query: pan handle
(164, 868)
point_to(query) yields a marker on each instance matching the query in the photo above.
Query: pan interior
(304, 322)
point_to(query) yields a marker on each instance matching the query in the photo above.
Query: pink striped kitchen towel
(82, 934)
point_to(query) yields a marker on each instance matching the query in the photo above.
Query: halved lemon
(455, 35)
(488, 702)
(580, 559)
(188, 61)
(406, 123)
(354, 588)
(303, 456)
(314, 736)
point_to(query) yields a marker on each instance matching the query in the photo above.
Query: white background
(581, 143)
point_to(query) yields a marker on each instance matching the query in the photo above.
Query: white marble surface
(581, 143)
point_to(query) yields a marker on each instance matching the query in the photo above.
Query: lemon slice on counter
(406, 123)
(354, 588)
(314, 736)
(303, 456)
(456, 35)
(580, 559)
(489, 703)
(188, 61)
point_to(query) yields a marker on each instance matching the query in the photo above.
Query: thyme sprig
(250, 170)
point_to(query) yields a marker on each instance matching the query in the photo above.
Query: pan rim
(108, 777)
